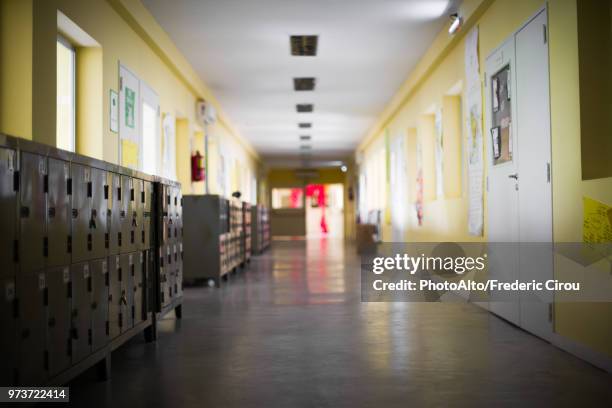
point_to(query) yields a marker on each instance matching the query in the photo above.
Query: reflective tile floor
(292, 332)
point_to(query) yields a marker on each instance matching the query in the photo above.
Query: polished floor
(292, 332)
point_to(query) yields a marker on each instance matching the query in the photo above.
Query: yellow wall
(127, 34)
(441, 68)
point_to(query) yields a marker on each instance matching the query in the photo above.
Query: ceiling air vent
(304, 84)
(305, 125)
(305, 147)
(304, 45)
(304, 137)
(304, 107)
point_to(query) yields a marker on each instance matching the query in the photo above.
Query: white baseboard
(583, 352)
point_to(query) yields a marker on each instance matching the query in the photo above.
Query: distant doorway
(325, 211)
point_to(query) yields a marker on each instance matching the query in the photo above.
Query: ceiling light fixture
(304, 45)
(456, 23)
(305, 125)
(304, 107)
(304, 84)
(304, 137)
(343, 168)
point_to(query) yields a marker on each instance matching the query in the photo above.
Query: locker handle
(123, 300)
(134, 223)
(94, 305)
(92, 223)
(25, 212)
(46, 183)
(75, 334)
(75, 213)
(51, 212)
(16, 181)
(89, 189)
(69, 186)
(106, 192)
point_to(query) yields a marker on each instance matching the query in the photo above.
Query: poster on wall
(439, 154)
(418, 204)
(474, 135)
(129, 116)
(169, 146)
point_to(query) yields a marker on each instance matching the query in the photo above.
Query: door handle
(513, 176)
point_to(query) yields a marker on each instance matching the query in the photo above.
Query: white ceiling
(240, 48)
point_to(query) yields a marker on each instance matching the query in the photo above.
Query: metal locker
(32, 249)
(179, 271)
(166, 214)
(128, 230)
(9, 326)
(81, 288)
(127, 291)
(139, 287)
(138, 211)
(31, 295)
(115, 201)
(99, 306)
(8, 211)
(58, 213)
(98, 218)
(58, 319)
(147, 219)
(82, 192)
(115, 302)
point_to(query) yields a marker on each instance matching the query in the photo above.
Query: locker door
(32, 212)
(99, 305)
(147, 218)
(58, 319)
(9, 327)
(127, 292)
(31, 333)
(81, 311)
(138, 209)
(178, 289)
(8, 211)
(82, 191)
(128, 231)
(98, 218)
(114, 202)
(138, 285)
(114, 296)
(58, 213)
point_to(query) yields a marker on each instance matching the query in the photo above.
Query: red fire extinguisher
(197, 167)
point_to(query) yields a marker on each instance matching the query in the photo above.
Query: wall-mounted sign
(114, 111)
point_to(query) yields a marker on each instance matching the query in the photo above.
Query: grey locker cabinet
(58, 319)
(32, 249)
(115, 300)
(31, 295)
(8, 209)
(139, 288)
(115, 203)
(128, 219)
(99, 305)
(98, 219)
(58, 213)
(82, 192)
(128, 267)
(178, 267)
(81, 291)
(8, 345)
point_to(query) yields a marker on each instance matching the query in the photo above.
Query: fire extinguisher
(197, 167)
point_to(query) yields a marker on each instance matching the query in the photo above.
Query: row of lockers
(53, 319)
(93, 255)
(55, 212)
(260, 228)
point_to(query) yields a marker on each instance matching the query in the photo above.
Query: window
(287, 198)
(66, 57)
(150, 141)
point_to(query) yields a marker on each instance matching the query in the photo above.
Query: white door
(534, 155)
(502, 197)
(129, 118)
(150, 142)
(519, 196)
